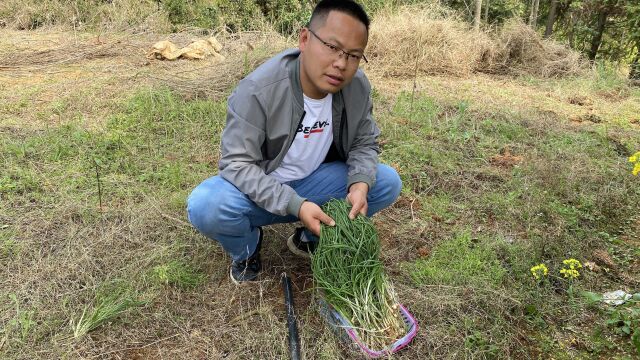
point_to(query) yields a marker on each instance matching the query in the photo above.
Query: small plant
(570, 272)
(635, 160)
(570, 269)
(23, 319)
(479, 342)
(106, 308)
(625, 320)
(177, 273)
(607, 77)
(9, 246)
(539, 271)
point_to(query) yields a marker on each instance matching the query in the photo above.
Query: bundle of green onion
(347, 270)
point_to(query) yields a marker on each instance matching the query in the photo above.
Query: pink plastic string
(396, 346)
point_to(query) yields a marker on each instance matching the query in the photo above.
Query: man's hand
(357, 197)
(312, 215)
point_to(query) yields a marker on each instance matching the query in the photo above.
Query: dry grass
(77, 255)
(429, 40)
(115, 15)
(424, 37)
(23, 57)
(520, 50)
(53, 68)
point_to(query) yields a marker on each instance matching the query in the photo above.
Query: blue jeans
(221, 212)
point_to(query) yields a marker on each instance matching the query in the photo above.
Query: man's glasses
(335, 50)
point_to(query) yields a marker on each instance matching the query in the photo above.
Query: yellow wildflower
(570, 273)
(635, 159)
(572, 263)
(539, 271)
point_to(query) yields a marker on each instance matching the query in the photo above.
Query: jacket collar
(294, 77)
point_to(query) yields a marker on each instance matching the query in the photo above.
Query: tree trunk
(533, 16)
(634, 69)
(478, 13)
(486, 12)
(597, 37)
(571, 32)
(551, 19)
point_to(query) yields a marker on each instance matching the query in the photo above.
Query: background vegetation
(600, 29)
(513, 150)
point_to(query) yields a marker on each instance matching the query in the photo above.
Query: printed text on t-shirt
(317, 127)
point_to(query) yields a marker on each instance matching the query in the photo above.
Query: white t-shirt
(311, 144)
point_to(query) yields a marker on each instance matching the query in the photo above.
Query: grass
(106, 307)
(461, 261)
(23, 322)
(177, 273)
(493, 222)
(458, 245)
(140, 155)
(501, 221)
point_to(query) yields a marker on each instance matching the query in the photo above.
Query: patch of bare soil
(506, 159)
(585, 118)
(580, 100)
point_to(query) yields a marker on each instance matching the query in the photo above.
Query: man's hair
(348, 7)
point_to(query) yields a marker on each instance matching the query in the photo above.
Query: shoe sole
(241, 283)
(294, 249)
(234, 280)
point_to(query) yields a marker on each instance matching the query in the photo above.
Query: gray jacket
(263, 114)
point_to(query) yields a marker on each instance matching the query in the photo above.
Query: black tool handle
(294, 340)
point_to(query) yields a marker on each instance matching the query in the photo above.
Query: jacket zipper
(294, 135)
(340, 147)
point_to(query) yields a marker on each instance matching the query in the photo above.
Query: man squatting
(299, 133)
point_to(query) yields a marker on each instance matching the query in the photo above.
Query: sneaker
(299, 247)
(249, 269)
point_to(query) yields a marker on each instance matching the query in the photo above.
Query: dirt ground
(45, 75)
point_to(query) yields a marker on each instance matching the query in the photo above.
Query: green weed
(286, 16)
(608, 77)
(478, 343)
(440, 205)
(177, 273)
(23, 321)
(625, 322)
(106, 307)
(497, 131)
(9, 246)
(19, 181)
(623, 319)
(416, 107)
(461, 261)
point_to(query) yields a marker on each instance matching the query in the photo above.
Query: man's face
(325, 70)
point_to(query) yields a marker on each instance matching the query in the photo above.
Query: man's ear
(303, 38)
